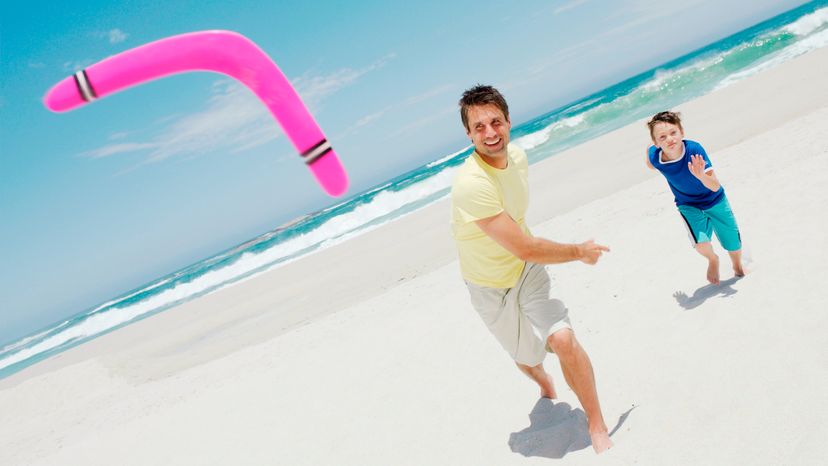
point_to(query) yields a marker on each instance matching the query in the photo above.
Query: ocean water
(717, 65)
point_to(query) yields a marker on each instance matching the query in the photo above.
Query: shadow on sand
(702, 294)
(555, 429)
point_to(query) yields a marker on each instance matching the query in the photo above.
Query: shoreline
(263, 307)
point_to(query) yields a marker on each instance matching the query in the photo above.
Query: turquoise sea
(717, 65)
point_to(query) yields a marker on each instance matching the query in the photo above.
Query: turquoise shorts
(701, 224)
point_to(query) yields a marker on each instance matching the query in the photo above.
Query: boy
(699, 196)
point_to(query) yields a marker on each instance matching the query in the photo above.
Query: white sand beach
(369, 353)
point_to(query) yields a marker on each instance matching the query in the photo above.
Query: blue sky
(100, 200)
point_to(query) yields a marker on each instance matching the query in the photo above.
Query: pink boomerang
(224, 52)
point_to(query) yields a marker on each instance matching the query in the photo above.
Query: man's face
(668, 136)
(488, 130)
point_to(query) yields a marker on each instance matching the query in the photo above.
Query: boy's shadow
(555, 429)
(707, 291)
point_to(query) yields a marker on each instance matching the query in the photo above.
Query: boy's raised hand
(696, 166)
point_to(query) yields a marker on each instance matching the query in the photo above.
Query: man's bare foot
(548, 389)
(600, 441)
(713, 271)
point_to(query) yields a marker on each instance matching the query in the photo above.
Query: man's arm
(507, 233)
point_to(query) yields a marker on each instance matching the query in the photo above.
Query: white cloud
(113, 149)
(116, 35)
(314, 89)
(434, 116)
(568, 6)
(113, 36)
(413, 100)
(638, 13)
(369, 118)
(428, 94)
(77, 65)
(118, 135)
(233, 120)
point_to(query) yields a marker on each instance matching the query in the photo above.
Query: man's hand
(696, 166)
(590, 252)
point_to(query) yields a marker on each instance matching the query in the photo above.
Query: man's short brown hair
(674, 118)
(481, 95)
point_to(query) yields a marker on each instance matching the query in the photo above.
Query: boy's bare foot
(713, 271)
(548, 388)
(600, 441)
(736, 260)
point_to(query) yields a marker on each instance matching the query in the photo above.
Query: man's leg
(706, 250)
(577, 370)
(539, 375)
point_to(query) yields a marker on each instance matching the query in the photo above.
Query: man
(502, 263)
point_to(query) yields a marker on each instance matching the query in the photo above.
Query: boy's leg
(706, 250)
(577, 370)
(727, 231)
(736, 259)
(700, 229)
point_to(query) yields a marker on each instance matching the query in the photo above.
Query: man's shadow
(704, 293)
(555, 429)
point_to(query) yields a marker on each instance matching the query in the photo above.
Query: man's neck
(500, 162)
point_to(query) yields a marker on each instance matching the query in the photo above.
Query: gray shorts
(523, 316)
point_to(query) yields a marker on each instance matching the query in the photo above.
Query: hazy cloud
(113, 149)
(77, 65)
(638, 13)
(436, 115)
(233, 120)
(119, 135)
(428, 94)
(568, 6)
(113, 36)
(314, 88)
(413, 100)
(116, 35)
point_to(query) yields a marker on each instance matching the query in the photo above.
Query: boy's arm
(507, 233)
(708, 178)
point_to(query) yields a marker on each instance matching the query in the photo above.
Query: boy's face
(488, 130)
(667, 137)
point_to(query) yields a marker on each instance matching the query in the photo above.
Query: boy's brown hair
(674, 118)
(481, 95)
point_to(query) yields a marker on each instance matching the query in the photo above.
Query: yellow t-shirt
(480, 191)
